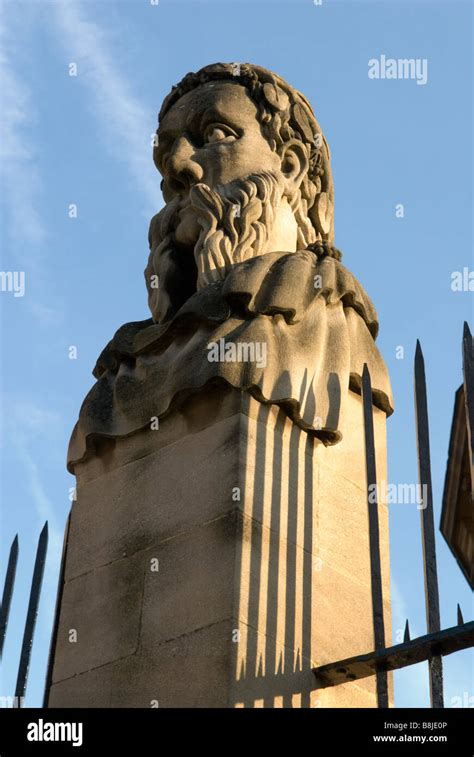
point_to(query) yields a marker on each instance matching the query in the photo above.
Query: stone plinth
(213, 562)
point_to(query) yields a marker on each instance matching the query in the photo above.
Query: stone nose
(182, 169)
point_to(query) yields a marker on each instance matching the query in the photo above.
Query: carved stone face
(210, 136)
(232, 189)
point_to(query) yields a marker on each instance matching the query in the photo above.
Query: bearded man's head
(246, 171)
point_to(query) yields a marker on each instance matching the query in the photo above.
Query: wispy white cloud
(20, 178)
(29, 426)
(123, 120)
(44, 508)
(32, 419)
(46, 315)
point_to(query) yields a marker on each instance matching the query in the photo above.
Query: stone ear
(324, 212)
(296, 156)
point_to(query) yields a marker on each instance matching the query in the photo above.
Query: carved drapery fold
(315, 319)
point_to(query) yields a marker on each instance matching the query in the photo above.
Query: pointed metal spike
(427, 524)
(468, 375)
(406, 635)
(59, 597)
(374, 536)
(467, 350)
(419, 360)
(460, 617)
(31, 615)
(8, 591)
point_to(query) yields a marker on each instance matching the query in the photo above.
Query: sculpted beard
(235, 220)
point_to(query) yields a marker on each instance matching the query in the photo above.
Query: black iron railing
(436, 643)
(32, 611)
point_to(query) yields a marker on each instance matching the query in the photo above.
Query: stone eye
(218, 133)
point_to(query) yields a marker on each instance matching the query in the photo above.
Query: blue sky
(86, 140)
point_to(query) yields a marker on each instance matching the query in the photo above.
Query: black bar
(8, 591)
(59, 595)
(433, 623)
(374, 540)
(31, 615)
(468, 371)
(399, 656)
(356, 731)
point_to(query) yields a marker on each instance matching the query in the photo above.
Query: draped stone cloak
(318, 325)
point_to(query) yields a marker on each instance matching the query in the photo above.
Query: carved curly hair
(284, 114)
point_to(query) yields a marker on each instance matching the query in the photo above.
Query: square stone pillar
(215, 561)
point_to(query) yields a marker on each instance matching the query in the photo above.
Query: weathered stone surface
(191, 417)
(189, 561)
(173, 674)
(190, 671)
(219, 547)
(100, 617)
(154, 497)
(279, 564)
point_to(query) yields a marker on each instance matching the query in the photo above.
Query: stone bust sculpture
(241, 257)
